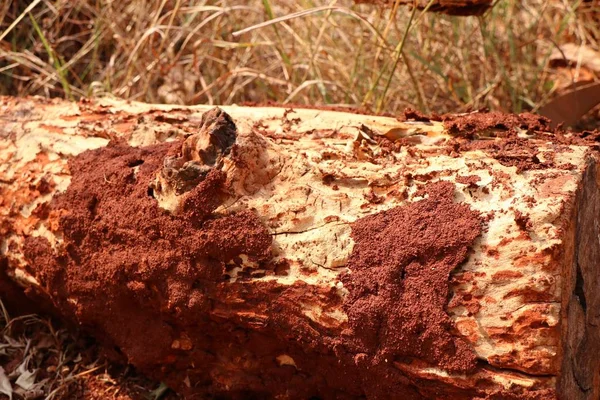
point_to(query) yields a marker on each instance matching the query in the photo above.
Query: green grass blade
(60, 71)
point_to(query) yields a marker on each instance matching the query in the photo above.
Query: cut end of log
(298, 253)
(581, 295)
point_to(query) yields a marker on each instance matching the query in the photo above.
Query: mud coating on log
(477, 124)
(513, 149)
(119, 243)
(398, 280)
(452, 7)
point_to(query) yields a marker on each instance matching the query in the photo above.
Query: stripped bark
(290, 311)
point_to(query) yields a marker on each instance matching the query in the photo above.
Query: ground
(44, 360)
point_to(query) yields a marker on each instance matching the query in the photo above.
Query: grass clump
(184, 52)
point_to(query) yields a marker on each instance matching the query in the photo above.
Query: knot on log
(200, 153)
(214, 141)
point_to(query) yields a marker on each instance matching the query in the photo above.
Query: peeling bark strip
(271, 252)
(451, 7)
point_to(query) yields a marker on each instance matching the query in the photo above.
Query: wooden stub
(451, 7)
(291, 253)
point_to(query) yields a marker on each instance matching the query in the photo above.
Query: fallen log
(294, 253)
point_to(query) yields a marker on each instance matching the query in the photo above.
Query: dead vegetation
(313, 52)
(40, 361)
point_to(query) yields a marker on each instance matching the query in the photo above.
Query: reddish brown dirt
(165, 303)
(469, 180)
(497, 135)
(136, 253)
(511, 152)
(545, 394)
(523, 221)
(400, 267)
(114, 383)
(472, 125)
(412, 114)
(586, 137)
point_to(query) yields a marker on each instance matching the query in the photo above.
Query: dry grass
(39, 361)
(177, 51)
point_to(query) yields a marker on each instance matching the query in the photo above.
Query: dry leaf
(5, 386)
(26, 380)
(569, 107)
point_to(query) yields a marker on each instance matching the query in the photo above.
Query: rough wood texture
(452, 7)
(292, 312)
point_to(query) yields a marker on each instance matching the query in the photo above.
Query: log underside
(241, 257)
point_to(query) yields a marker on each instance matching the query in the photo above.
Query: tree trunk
(281, 253)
